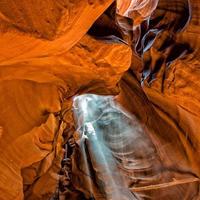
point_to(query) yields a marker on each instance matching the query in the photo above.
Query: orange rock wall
(146, 55)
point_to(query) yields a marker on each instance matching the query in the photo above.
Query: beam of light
(119, 151)
(89, 109)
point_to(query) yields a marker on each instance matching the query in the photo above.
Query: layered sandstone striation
(145, 55)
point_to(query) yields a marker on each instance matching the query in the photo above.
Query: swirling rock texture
(145, 53)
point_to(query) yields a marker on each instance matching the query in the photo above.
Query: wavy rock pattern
(145, 53)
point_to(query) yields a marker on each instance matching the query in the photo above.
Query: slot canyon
(99, 99)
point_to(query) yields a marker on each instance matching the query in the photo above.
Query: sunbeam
(100, 123)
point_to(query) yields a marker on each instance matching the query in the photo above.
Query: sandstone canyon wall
(141, 59)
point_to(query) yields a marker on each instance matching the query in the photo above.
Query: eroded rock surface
(143, 52)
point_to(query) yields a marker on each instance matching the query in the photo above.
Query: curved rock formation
(141, 141)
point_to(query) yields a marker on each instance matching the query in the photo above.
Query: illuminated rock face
(144, 55)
